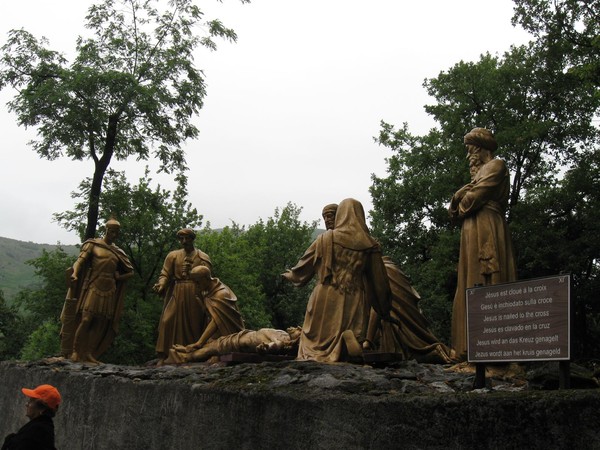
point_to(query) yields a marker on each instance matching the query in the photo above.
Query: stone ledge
(298, 404)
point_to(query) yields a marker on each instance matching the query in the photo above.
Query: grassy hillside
(15, 274)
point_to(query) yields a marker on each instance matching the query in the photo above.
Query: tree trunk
(100, 169)
(94, 200)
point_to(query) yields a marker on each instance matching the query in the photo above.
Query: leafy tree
(230, 254)
(12, 332)
(42, 342)
(45, 302)
(37, 308)
(131, 90)
(277, 246)
(566, 28)
(567, 215)
(251, 263)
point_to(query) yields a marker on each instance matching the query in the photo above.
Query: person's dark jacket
(37, 434)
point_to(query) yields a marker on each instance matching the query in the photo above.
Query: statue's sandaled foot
(85, 359)
(353, 348)
(92, 360)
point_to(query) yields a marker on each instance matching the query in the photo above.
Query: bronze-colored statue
(486, 253)
(351, 279)
(408, 334)
(220, 302)
(95, 297)
(266, 341)
(184, 317)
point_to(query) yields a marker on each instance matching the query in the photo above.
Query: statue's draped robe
(486, 252)
(412, 337)
(351, 279)
(184, 316)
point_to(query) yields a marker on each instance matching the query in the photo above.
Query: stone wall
(293, 405)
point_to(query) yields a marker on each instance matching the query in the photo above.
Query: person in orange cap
(38, 433)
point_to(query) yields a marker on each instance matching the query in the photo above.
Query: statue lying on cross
(265, 341)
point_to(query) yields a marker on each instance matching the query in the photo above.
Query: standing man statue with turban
(486, 253)
(184, 317)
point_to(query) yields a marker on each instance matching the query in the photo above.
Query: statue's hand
(179, 348)
(157, 288)
(463, 191)
(190, 348)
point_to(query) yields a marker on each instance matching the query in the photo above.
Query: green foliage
(251, 262)
(131, 90)
(137, 334)
(43, 342)
(12, 332)
(45, 302)
(539, 113)
(277, 245)
(567, 215)
(40, 306)
(230, 253)
(566, 28)
(412, 199)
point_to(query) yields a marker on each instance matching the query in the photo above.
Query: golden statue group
(361, 304)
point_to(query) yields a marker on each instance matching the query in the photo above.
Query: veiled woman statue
(351, 278)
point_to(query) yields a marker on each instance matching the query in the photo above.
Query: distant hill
(14, 273)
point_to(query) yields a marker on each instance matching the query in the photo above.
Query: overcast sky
(292, 107)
